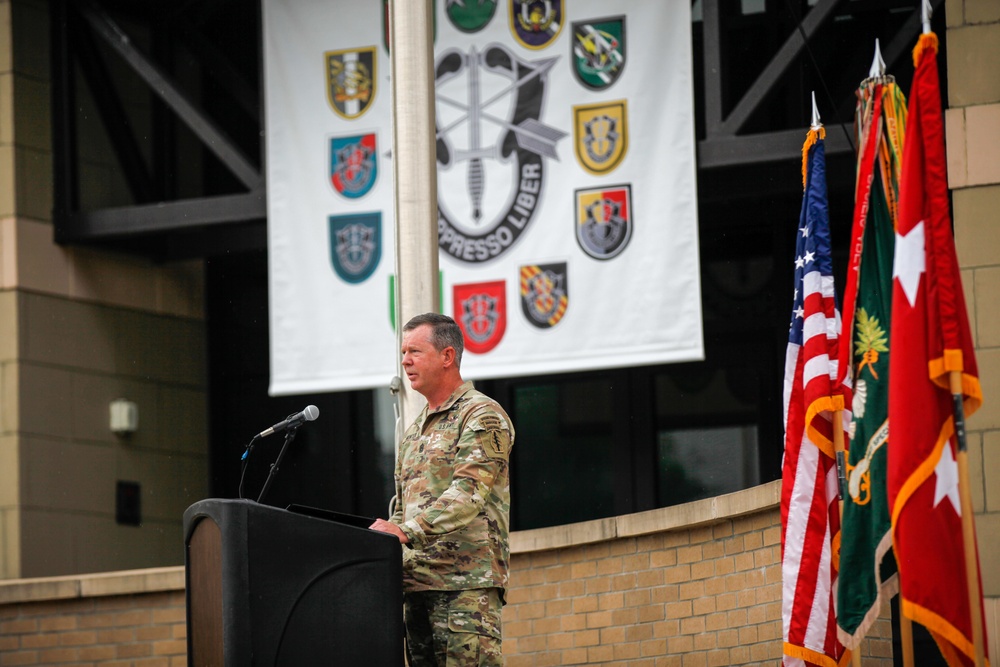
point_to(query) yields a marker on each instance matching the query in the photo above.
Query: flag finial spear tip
(816, 124)
(925, 15)
(878, 64)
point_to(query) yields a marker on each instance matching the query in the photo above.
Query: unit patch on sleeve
(493, 437)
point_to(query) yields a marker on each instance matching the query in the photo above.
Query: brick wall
(669, 594)
(146, 628)
(696, 585)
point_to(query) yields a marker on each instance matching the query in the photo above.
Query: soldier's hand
(384, 526)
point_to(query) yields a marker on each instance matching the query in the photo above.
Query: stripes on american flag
(810, 519)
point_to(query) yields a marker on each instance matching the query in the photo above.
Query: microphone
(296, 420)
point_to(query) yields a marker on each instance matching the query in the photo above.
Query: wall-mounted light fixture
(124, 417)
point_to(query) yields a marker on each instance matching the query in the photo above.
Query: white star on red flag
(910, 261)
(946, 484)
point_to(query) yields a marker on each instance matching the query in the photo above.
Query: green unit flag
(866, 560)
(867, 565)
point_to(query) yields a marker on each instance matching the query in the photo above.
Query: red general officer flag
(929, 339)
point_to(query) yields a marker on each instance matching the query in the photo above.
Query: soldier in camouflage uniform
(453, 506)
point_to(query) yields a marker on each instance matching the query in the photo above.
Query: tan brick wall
(702, 596)
(697, 585)
(972, 134)
(122, 631)
(85, 621)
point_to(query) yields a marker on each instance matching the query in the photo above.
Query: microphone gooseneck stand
(289, 436)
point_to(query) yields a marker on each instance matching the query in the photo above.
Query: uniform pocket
(472, 642)
(473, 623)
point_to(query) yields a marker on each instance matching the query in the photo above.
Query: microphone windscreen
(310, 413)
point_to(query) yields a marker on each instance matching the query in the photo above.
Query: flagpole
(906, 637)
(968, 526)
(411, 40)
(838, 448)
(838, 415)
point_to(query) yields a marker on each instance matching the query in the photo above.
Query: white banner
(566, 187)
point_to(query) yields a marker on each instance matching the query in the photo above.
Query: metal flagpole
(838, 418)
(411, 46)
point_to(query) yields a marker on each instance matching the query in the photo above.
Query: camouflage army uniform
(453, 503)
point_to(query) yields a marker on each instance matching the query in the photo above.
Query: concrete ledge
(92, 585)
(689, 515)
(680, 517)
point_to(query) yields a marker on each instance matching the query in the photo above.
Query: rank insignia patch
(604, 220)
(355, 245)
(600, 135)
(491, 148)
(353, 164)
(470, 15)
(598, 51)
(481, 312)
(350, 79)
(536, 23)
(544, 293)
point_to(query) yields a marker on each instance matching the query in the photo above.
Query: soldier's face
(423, 365)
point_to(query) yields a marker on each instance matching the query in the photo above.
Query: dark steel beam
(133, 221)
(203, 128)
(900, 45)
(712, 53)
(220, 67)
(906, 38)
(767, 147)
(65, 181)
(116, 122)
(778, 65)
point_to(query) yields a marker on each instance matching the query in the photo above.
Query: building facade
(86, 322)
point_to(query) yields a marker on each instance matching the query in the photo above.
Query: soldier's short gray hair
(444, 333)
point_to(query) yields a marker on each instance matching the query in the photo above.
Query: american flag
(810, 518)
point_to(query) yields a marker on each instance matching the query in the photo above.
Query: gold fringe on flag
(891, 130)
(811, 138)
(928, 40)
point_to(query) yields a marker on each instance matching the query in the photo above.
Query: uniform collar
(459, 392)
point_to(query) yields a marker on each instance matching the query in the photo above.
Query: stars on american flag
(802, 260)
(805, 262)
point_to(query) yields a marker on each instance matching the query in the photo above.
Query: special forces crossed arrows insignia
(521, 141)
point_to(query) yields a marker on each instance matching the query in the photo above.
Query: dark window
(563, 459)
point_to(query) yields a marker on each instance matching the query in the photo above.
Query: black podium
(295, 587)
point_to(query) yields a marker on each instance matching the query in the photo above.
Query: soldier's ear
(449, 355)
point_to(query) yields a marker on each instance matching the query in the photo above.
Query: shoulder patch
(489, 422)
(493, 436)
(496, 443)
